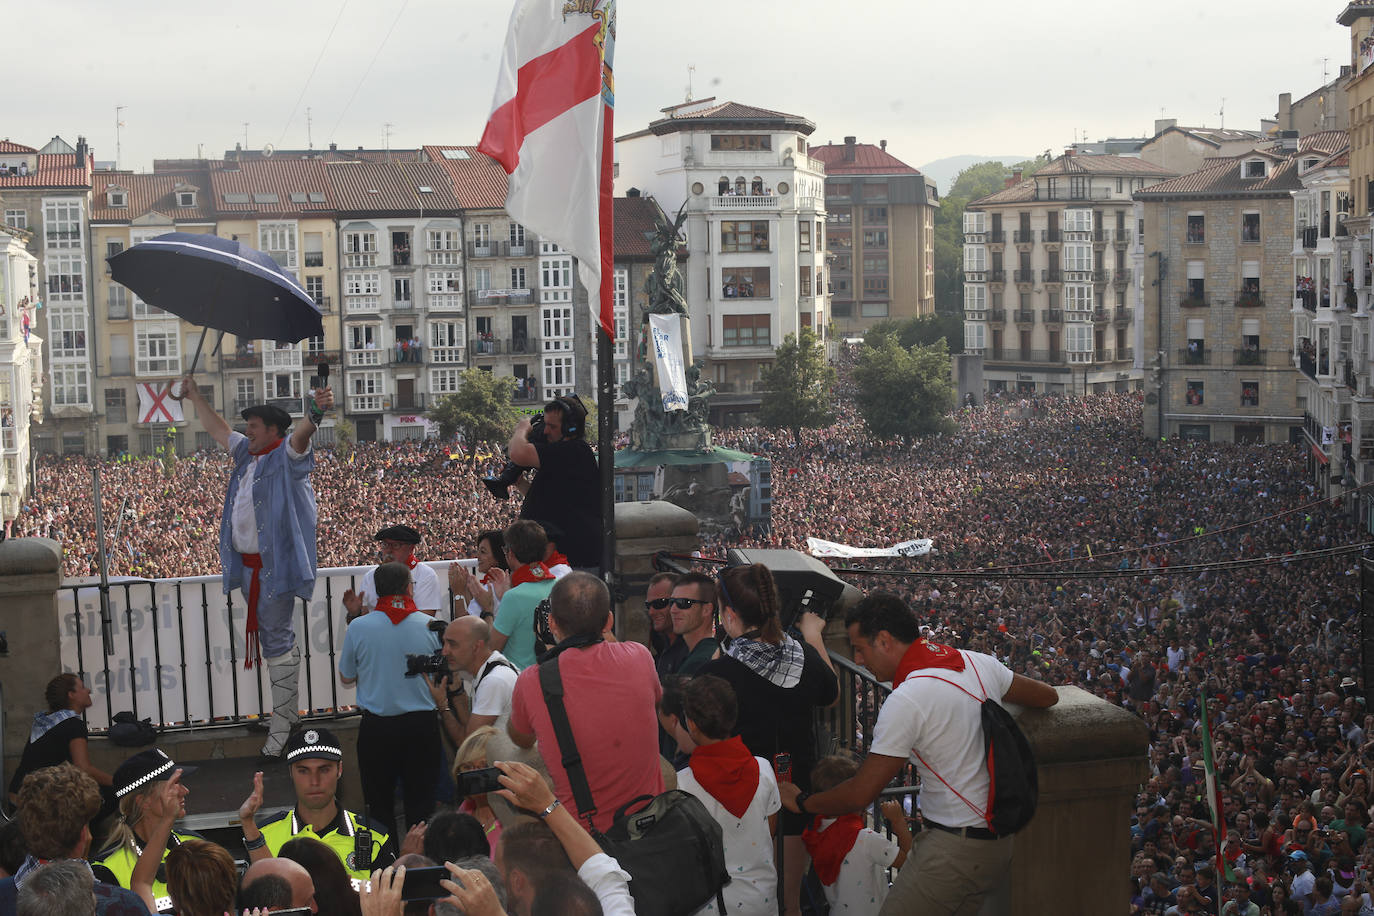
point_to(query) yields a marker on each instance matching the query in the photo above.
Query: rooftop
(272, 186)
(868, 159)
(728, 116)
(634, 217)
(150, 193)
(391, 187)
(479, 182)
(53, 171)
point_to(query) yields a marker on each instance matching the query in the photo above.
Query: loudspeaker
(804, 583)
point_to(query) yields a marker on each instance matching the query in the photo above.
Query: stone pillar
(1075, 855)
(30, 573)
(642, 529)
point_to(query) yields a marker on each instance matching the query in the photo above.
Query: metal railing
(850, 722)
(1025, 275)
(1024, 236)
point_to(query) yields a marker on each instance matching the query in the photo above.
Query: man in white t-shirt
(397, 545)
(484, 679)
(933, 716)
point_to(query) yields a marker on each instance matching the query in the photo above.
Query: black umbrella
(221, 284)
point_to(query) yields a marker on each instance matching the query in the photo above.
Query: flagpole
(605, 376)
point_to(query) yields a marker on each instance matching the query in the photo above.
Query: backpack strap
(551, 682)
(986, 815)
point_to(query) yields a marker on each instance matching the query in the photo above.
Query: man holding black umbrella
(267, 536)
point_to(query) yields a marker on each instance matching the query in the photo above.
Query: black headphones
(573, 413)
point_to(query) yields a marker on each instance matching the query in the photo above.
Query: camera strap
(551, 682)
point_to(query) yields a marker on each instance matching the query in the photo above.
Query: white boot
(284, 673)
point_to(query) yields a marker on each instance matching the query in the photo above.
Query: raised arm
(302, 431)
(214, 424)
(520, 449)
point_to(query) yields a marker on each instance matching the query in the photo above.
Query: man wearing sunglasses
(657, 601)
(693, 612)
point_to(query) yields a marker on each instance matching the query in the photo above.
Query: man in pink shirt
(610, 692)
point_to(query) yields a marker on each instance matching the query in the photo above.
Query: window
(517, 236)
(1197, 284)
(186, 198)
(66, 277)
(444, 381)
(118, 301)
(741, 142)
(1078, 340)
(1197, 229)
(117, 198)
(875, 287)
(556, 273)
(1078, 219)
(1078, 256)
(1253, 168)
(975, 259)
(975, 221)
(620, 304)
(481, 235)
(70, 386)
(113, 247)
(400, 289)
(246, 390)
(361, 244)
(1249, 279)
(314, 346)
(744, 235)
(869, 309)
(445, 281)
(116, 406)
(17, 219)
(67, 333)
(1078, 298)
(804, 235)
(1078, 188)
(517, 278)
(975, 298)
(363, 336)
(62, 223)
(559, 376)
(745, 283)
(279, 241)
(314, 287)
(875, 214)
(1250, 226)
(875, 238)
(481, 278)
(447, 334)
(804, 281)
(745, 330)
(1194, 393)
(157, 349)
(1249, 394)
(558, 327)
(443, 240)
(369, 284)
(875, 265)
(975, 336)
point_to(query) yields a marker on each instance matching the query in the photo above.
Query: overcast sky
(934, 79)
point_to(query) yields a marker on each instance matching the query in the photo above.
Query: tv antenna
(691, 68)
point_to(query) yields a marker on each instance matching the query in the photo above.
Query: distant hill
(945, 170)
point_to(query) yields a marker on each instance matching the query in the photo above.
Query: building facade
(21, 369)
(880, 218)
(756, 232)
(1050, 288)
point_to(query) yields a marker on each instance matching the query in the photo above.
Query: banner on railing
(820, 548)
(179, 648)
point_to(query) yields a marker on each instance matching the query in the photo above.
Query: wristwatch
(549, 810)
(801, 802)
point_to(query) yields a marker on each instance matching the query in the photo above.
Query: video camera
(431, 663)
(499, 486)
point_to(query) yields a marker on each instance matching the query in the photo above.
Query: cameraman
(399, 734)
(567, 489)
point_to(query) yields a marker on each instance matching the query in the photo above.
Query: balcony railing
(744, 202)
(412, 400)
(1122, 238)
(1122, 315)
(997, 275)
(1052, 316)
(314, 259)
(1101, 314)
(1195, 356)
(1051, 235)
(998, 315)
(482, 347)
(521, 345)
(241, 360)
(1193, 301)
(1305, 299)
(493, 297)
(1025, 275)
(1052, 275)
(1017, 355)
(1100, 275)
(526, 395)
(1024, 316)
(446, 355)
(997, 236)
(1308, 236)
(1121, 277)
(1249, 301)
(368, 357)
(1024, 236)
(1248, 357)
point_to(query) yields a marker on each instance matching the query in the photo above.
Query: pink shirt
(610, 691)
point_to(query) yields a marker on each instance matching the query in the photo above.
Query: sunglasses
(682, 604)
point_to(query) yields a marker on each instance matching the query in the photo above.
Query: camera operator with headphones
(566, 491)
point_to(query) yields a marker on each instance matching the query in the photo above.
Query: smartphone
(423, 883)
(782, 766)
(479, 782)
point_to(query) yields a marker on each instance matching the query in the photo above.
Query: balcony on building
(486, 346)
(521, 345)
(1121, 277)
(1101, 315)
(1023, 316)
(1122, 238)
(1122, 315)
(314, 259)
(1100, 237)
(1249, 297)
(1052, 275)
(1051, 236)
(998, 316)
(1309, 235)
(1195, 355)
(1025, 275)
(526, 392)
(1249, 356)
(367, 357)
(1052, 316)
(409, 400)
(491, 248)
(242, 358)
(997, 238)
(493, 297)
(997, 276)
(1024, 239)
(1305, 297)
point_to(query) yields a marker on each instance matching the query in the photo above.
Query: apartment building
(400, 247)
(1183, 150)
(138, 344)
(755, 231)
(48, 193)
(21, 368)
(1049, 285)
(880, 216)
(1224, 327)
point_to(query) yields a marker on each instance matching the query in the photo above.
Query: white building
(21, 369)
(755, 231)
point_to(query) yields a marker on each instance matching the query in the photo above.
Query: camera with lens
(543, 633)
(432, 663)
(499, 486)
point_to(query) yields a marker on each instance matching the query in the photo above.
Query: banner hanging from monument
(917, 548)
(672, 375)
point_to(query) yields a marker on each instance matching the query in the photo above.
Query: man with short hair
(657, 601)
(314, 758)
(56, 805)
(398, 738)
(277, 884)
(483, 679)
(267, 537)
(396, 544)
(530, 583)
(610, 693)
(567, 488)
(693, 613)
(933, 717)
(62, 888)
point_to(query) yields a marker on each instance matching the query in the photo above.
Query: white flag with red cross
(156, 404)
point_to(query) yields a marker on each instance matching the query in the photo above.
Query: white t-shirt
(491, 694)
(753, 887)
(944, 725)
(428, 596)
(861, 886)
(1302, 885)
(243, 519)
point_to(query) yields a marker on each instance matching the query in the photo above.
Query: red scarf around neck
(828, 847)
(396, 607)
(926, 654)
(728, 772)
(530, 572)
(411, 562)
(259, 454)
(557, 558)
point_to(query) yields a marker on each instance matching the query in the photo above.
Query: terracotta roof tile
(265, 187)
(54, 171)
(9, 146)
(479, 182)
(1324, 141)
(868, 160)
(634, 216)
(1224, 180)
(1021, 192)
(148, 194)
(1104, 165)
(732, 111)
(391, 187)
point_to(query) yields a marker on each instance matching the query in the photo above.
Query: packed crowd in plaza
(1042, 485)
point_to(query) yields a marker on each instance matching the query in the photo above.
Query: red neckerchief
(926, 654)
(411, 561)
(828, 847)
(268, 449)
(530, 572)
(728, 772)
(557, 559)
(397, 607)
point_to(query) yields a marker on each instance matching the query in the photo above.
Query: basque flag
(550, 128)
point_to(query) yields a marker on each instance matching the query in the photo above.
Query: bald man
(480, 692)
(277, 884)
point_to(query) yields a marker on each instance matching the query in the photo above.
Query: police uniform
(115, 864)
(352, 836)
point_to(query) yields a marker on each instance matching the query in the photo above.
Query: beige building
(1049, 282)
(21, 369)
(880, 213)
(1220, 325)
(1182, 150)
(1325, 108)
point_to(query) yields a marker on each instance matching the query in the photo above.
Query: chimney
(849, 148)
(333, 147)
(1163, 124)
(632, 192)
(1008, 182)
(1068, 151)
(81, 151)
(1345, 71)
(882, 145)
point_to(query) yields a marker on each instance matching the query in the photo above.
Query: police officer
(135, 786)
(315, 760)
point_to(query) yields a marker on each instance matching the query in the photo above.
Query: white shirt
(753, 887)
(861, 886)
(243, 519)
(610, 883)
(491, 694)
(428, 596)
(1302, 885)
(944, 726)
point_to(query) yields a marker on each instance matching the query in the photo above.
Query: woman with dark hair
(333, 887)
(492, 569)
(59, 736)
(779, 683)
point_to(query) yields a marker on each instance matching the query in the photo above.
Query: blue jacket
(284, 503)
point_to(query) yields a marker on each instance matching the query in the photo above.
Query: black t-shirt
(567, 491)
(774, 719)
(51, 748)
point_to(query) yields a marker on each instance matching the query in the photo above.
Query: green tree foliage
(800, 386)
(345, 436)
(904, 392)
(924, 329)
(479, 411)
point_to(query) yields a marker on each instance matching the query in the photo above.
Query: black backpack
(1013, 780)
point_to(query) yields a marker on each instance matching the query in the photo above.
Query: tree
(345, 436)
(904, 392)
(479, 411)
(800, 386)
(923, 329)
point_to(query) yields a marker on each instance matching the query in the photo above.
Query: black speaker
(804, 583)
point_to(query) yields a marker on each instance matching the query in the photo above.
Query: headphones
(573, 413)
